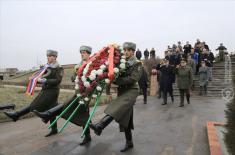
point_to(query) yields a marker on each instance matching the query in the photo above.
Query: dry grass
(17, 96)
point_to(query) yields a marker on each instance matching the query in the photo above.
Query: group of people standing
(183, 63)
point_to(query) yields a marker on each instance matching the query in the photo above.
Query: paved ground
(159, 130)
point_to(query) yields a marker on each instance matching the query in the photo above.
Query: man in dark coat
(221, 49)
(121, 109)
(48, 96)
(83, 113)
(146, 54)
(152, 53)
(143, 83)
(187, 49)
(166, 80)
(138, 54)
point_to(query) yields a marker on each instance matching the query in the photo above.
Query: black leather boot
(87, 138)
(15, 115)
(101, 125)
(53, 128)
(129, 143)
(47, 115)
(9, 106)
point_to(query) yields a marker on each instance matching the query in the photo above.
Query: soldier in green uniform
(203, 77)
(184, 81)
(48, 96)
(121, 109)
(221, 49)
(83, 113)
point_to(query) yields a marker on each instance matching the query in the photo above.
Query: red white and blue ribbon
(33, 80)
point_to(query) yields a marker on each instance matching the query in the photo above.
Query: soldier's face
(85, 56)
(128, 53)
(183, 64)
(50, 59)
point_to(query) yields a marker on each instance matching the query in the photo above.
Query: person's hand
(42, 80)
(177, 66)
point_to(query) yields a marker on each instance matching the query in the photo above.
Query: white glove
(42, 80)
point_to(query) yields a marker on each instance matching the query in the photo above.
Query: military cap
(52, 53)
(129, 45)
(88, 49)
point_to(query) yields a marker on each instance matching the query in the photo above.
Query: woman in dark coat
(48, 96)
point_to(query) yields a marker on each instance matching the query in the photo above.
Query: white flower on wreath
(94, 96)
(123, 61)
(94, 72)
(86, 84)
(107, 81)
(81, 102)
(106, 63)
(123, 57)
(98, 88)
(76, 79)
(83, 78)
(92, 76)
(76, 87)
(102, 67)
(86, 99)
(116, 70)
(99, 72)
(122, 66)
(78, 95)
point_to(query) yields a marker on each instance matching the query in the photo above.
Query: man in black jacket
(143, 83)
(138, 54)
(166, 80)
(187, 49)
(48, 96)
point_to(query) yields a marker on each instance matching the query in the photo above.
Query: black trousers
(144, 90)
(165, 95)
(182, 92)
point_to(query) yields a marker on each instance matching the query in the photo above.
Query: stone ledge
(215, 148)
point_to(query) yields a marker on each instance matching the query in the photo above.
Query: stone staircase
(217, 84)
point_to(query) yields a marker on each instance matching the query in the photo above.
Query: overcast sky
(29, 28)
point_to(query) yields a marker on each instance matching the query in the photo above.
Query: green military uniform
(203, 78)
(47, 97)
(83, 112)
(184, 82)
(121, 109)
(82, 115)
